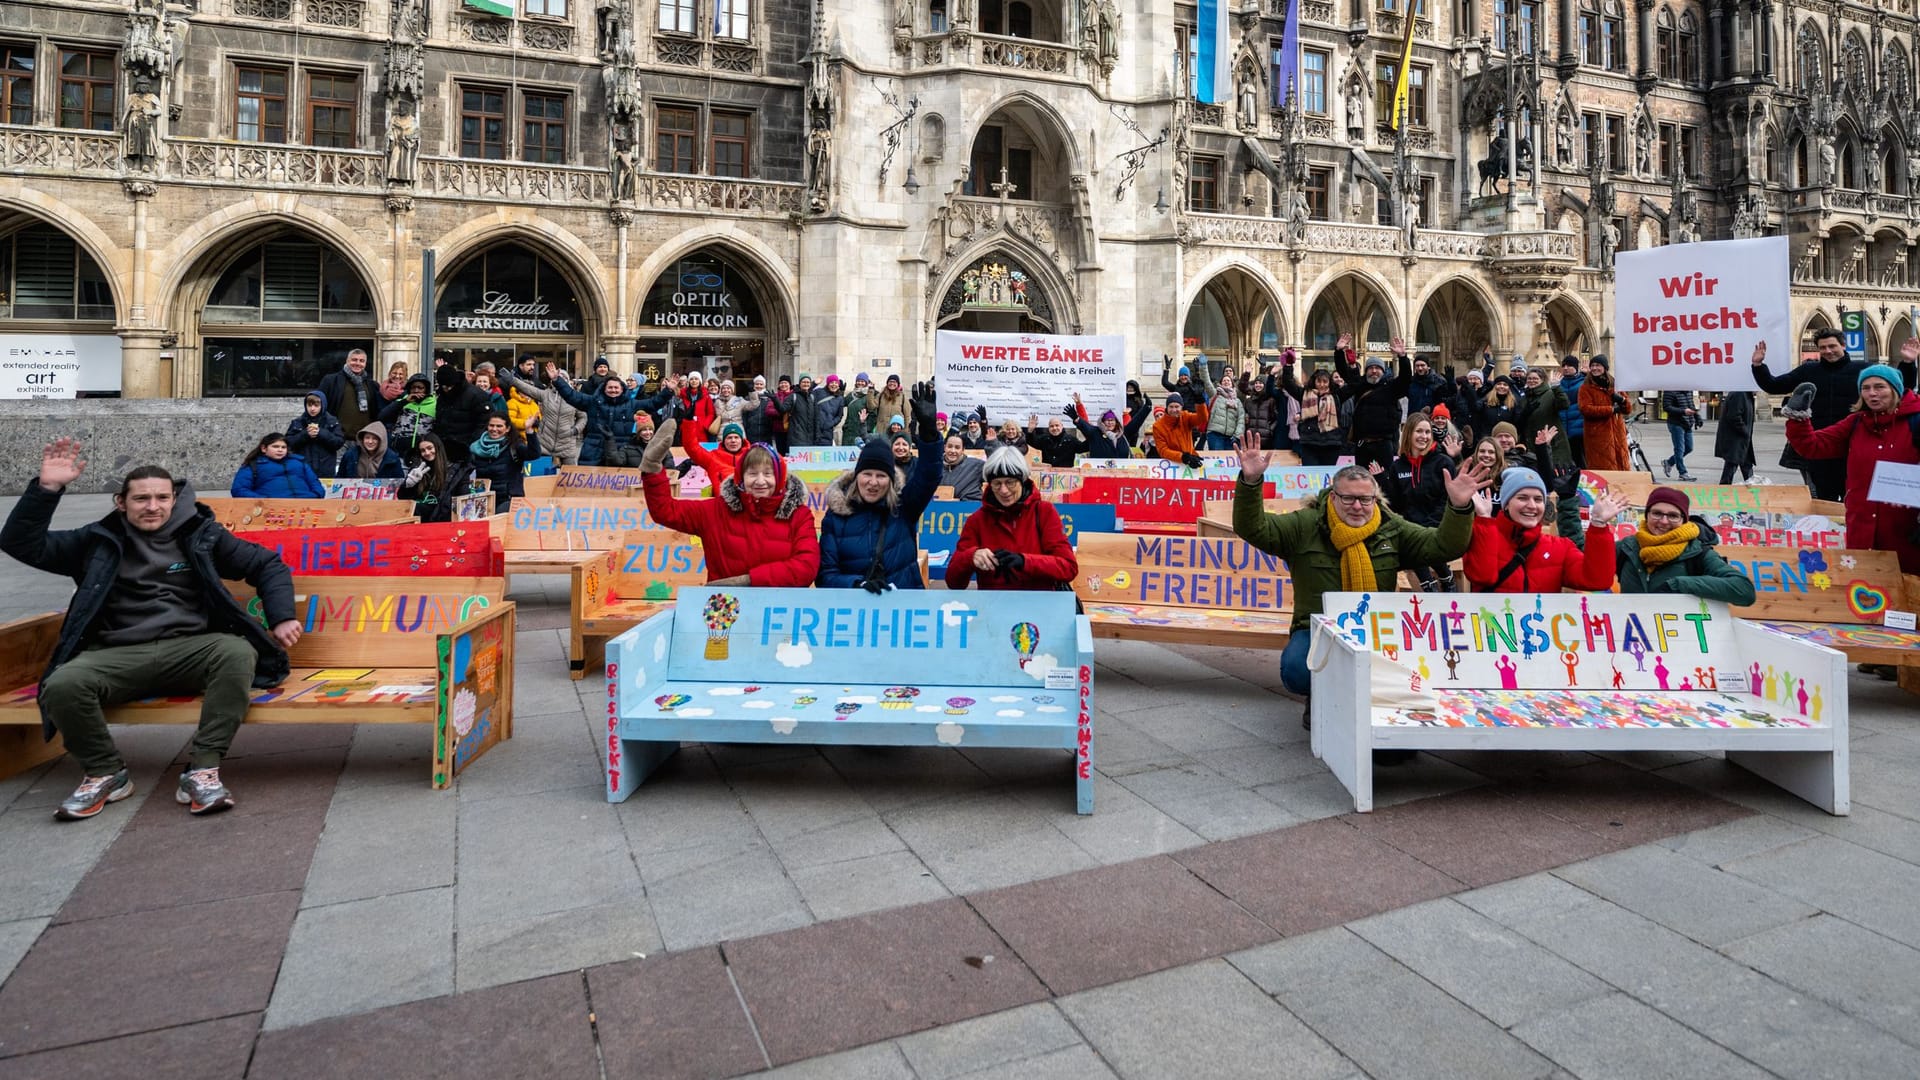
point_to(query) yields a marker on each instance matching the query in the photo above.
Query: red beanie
(1673, 497)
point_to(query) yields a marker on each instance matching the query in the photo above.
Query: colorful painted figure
(1619, 680)
(1753, 677)
(1571, 660)
(1452, 657)
(1803, 697)
(1509, 672)
(1660, 671)
(1818, 704)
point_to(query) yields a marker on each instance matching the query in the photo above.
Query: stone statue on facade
(1642, 146)
(1563, 140)
(610, 22)
(819, 168)
(626, 173)
(1609, 243)
(1356, 112)
(1109, 34)
(1683, 212)
(1248, 102)
(403, 145)
(1829, 168)
(141, 144)
(1298, 214)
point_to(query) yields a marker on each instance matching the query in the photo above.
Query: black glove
(1009, 560)
(1799, 404)
(874, 585)
(1070, 412)
(1566, 482)
(1192, 461)
(926, 421)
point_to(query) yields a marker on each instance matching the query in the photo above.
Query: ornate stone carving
(346, 14)
(546, 36)
(139, 188)
(399, 203)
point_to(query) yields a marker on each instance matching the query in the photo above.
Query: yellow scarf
(1356, 566)
(1658, 551)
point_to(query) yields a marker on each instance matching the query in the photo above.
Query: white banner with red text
(1687, 316)
(1018, 376)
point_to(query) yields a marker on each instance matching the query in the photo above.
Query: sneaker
(1668, 465)
(93, 795)
(202, 792)
(1686, 479)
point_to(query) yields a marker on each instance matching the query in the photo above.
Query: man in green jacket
(1347, 540)
(1673, 553)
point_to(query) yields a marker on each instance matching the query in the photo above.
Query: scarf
(359, 386)
(488, 447)
(1356, 566)
(1657, 550)
(1326, 411)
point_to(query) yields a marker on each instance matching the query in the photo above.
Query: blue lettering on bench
(940, 525)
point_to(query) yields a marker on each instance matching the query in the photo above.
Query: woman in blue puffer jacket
(870, 533)
(609, 413)
(271, 471)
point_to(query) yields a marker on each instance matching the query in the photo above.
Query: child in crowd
(316, 436)
(271, 471)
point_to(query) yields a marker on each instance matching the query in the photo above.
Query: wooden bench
(974, 669)
(257, 514)
(1834, 597)
(1184, 590)
(375, 650)
(1574, 672)
(619, 589)
(554, 536)
(444, 549)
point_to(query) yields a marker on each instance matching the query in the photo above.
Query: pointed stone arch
(1051, 300)
(1247, 299)
(1460, 315)
(22, 206)
(1351, 301)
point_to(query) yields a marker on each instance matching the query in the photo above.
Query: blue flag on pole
(1215, 77)
(1287, 87)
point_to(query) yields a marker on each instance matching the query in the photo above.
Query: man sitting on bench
(151, 617)
(1346, 541)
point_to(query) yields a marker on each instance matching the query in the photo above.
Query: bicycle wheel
(1640, 462)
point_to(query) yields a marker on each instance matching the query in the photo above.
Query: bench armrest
(637, 662)
(591, 585)
(26, 645)
(1342, 734)
(474, 691)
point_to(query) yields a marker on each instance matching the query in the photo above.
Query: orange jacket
(1173, 439)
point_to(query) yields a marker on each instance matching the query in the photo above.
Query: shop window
(508, 290)
(333, 102)
(16, 83)
(45, 275)
(87, 81)
(260, 104)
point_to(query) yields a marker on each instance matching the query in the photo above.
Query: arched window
(45, 275)
(1614, 46)
(1666, 38)
(282, 314)
(1810, 57)
(1849, 164)
(1689, 49)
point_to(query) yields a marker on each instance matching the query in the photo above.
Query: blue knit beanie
(1882, 371)
(1516, 480)
(897, 419)
(1184, 371)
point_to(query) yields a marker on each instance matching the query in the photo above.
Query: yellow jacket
(521, 411)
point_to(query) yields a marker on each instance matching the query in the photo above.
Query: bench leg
(630, 761)
(22, 748)
(591, 655)
(1818, 776)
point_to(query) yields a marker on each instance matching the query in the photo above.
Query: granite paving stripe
(537, 1028)
(1624, 804)
(672, 1016)
(204, 1051)
(1101, 926)
(1317, 875)
(223, 856)
(1485, 835)
(289, 782)
(162, 968)
(838, 984)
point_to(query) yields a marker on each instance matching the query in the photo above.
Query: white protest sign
(1018, 375)
(1687, 316)
(1895, 483)
(58, 365)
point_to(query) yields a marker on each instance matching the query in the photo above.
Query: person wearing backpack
(1673, 553)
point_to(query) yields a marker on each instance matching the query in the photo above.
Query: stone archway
(1455, 324)
(1231, 317)
(1349, 304)
(1566, 329)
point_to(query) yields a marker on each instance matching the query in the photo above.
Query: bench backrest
(594, 481)
(449, 549)
(378, 622)
(940, 525)
(1136, 499)
(573, 524)
(257, 514)
(1820, 585)
(650, 564)
(1590, 642)
(821, 637)
(1710, 501)
(1181, 571)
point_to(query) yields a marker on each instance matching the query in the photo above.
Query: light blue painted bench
(844, 668)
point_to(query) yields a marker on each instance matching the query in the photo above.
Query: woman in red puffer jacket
(1512, 553)
(1885, 427)
(1015, 540)
(757, 531)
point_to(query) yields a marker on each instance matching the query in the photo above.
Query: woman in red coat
(758, 530)
(723, 461)
(1015, 540)
(1513, 553)
(1881, 428)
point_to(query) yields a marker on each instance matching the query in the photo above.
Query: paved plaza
(849, 913)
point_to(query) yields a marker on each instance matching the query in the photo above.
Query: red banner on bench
(1142, 499)
(451, 549)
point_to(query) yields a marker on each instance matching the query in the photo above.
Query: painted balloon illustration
(898, 697)
(670, 702)
(958, 706)
(847, 708)
(721, 610)
(1026, 638)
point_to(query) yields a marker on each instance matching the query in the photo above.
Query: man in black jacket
(1837, 380)
(460, 411)
(1378, 400)
(151, 616)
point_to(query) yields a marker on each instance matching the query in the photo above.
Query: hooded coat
(265, 478)
(1606, 430)
(460, 411)
(1865, 441)
(855, 430)
(560, 422)
(1302, 538)
(1573, 420)
(1733, 441)
(1541, 408)
(1031, 527)
(319, 451)
(390, 467)
(851, 530)
(91, 556)
(407, 420)
(1506, 559)
(812, 415)
(609, 419)
(1698, 571)
(770, 540)
(717, 463)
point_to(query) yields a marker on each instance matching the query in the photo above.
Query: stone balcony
(993, 54)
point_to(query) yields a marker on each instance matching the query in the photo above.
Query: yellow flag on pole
(1400, 89)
